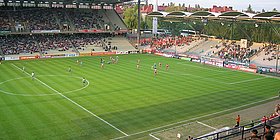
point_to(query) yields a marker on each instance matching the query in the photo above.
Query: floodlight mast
(139, 26)
(155, 22)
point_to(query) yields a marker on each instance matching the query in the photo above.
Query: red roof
(150, 8)
(119, 9)
(147, 9)
(219, 9)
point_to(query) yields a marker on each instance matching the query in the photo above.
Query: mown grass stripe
(76, 104)
(131, 99)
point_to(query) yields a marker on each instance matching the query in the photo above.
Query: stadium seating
(117, 23)
(121, 44)
(206, 47)
(54, 21)
(19, 44)
(266, 56)
(23, 19)
(233, 51)
(5, 25)
(45, 44)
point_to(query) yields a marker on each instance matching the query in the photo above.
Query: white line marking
(154, 137)
(206, 125)
(74, 102)
(42, 94)
(173, 127)
(73, 77)
(247, 80)
(196, 118)
(26, 95)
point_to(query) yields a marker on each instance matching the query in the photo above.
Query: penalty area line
(206, 125)
(154, 136)
(75, 103)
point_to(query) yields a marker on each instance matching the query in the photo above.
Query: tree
(174, 8)
(274, 10)
(130, 17)
(249, 9)
(148, 23)
(263, 10)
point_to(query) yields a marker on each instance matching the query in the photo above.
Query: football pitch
(119, 101)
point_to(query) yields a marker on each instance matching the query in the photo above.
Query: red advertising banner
(102, 53)
(232, 66)
(253, 66)
(147, 51)
(28, 57)
(248, 70)
(85, 54)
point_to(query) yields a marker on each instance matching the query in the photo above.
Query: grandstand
(121, 43)
(59, 31)
(267, 55)
(190, 45)
(204, 48)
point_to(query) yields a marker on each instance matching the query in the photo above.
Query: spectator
(268, 135)
(237, 121)
(178, 136)
(189, 138)
(254, 135)
(264, 119)
(277, 136)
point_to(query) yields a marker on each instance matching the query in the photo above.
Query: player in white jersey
(69, 69)
(33, 75)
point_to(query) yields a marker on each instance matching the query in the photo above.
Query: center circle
(38, 83)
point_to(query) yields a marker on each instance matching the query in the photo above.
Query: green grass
(131, 100)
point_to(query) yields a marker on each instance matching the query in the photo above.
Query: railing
(241, 131)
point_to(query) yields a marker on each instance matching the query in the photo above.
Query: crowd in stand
(273, 115)
(235, 52)
(160, 43)
(85, 19)
(270, 51)
(33, 19)
(17, 44)
(54, 42)
(28, 19)
(4, 21)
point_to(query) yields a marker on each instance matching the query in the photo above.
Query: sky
(257, 5)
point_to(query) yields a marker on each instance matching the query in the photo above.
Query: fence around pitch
(241, 132)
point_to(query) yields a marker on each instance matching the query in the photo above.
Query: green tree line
(236, 30)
